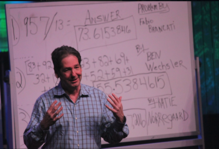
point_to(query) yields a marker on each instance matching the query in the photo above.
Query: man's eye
(65, 70)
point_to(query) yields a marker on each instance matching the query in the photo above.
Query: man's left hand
(117, 107)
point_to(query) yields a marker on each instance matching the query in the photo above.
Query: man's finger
(60, 109)
(52, 105)
(113, 110)
(57, 112)
(113, 104)
(57, 118)
(120, 98)
(114, 95)
(114, 100)
(57, 106)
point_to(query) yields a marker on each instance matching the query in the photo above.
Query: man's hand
(51, 115)
(117, 107)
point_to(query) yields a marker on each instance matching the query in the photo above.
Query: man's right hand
(51, 115)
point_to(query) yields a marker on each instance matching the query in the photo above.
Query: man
(74, 115)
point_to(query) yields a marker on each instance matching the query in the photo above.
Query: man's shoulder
(91, 90)
(85, 86)
(49, 93)
(47, 97)
(93, 93)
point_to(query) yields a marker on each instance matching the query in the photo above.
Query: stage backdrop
(142, 51)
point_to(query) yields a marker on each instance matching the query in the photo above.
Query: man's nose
(73, 73)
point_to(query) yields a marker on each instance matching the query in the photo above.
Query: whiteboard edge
(193, 67)
(14, 111)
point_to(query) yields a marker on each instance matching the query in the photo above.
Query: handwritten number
(26, 116)
(49, 64)
(135, 85)
(80, 33)
(162, 81)
(86, 63)
(143, 83)
(130, 70)
(25, 23)
(117, 84)
(86, 33)
(59, 24)
(106, 32)
(43, 80)
(47, 30)
(100, 87)
(93, 75)
(113, 31)
(101, 75)
(31, 22)
(128, 84)
(46, 23)
(101, 61)
(107, 60)
(19, 84)
(96, 35)
(118, 70)
(151, 85)
(106, 85)
(37, 78)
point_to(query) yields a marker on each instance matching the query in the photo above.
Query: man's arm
(117, 109)
(114, 127)
(51, 115)
(37, 129)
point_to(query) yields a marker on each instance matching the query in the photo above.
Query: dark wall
(206, 46)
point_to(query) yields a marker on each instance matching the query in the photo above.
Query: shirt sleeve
(34, 136)
(113, 131)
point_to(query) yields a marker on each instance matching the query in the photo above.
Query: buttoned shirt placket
(76, 122)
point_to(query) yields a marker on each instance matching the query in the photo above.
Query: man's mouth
(74, 80)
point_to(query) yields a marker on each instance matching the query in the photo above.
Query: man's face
(70, 72)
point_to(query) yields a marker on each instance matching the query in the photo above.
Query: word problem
(105, 74)
(104, 61)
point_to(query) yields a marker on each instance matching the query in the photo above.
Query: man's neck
(73, 93)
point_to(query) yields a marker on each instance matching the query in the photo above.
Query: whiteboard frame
(12, 80)
(51, 4)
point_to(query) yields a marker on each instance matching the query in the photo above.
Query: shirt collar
(84, 92)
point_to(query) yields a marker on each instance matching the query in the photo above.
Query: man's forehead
(69, 58)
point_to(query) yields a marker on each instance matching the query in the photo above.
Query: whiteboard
(142, 51)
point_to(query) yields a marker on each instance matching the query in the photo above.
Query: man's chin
(74, 86)
(70, 86)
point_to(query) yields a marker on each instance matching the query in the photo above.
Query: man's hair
(61, 52)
